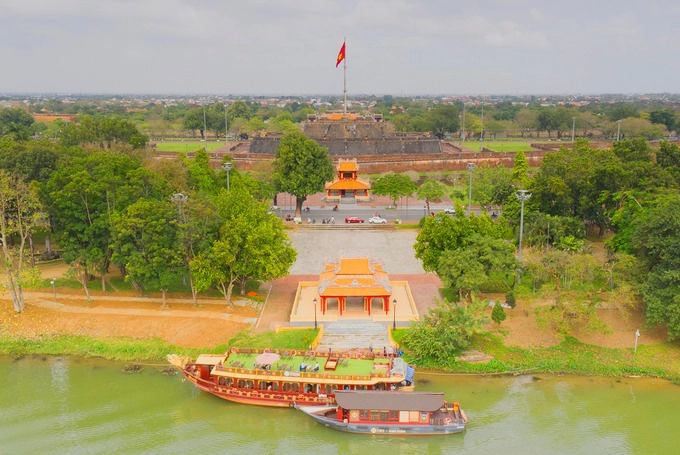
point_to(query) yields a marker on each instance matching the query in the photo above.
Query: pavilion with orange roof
(353, 287)
(348, 185)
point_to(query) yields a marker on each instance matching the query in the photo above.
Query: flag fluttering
(341, 55)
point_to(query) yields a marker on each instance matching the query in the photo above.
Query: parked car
(377, 220)
(354, 219)
(450, 211)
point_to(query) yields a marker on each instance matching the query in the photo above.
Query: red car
(353, 219)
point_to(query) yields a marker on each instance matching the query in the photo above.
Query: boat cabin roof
(211, 359)
(336, 368)
(389, 401)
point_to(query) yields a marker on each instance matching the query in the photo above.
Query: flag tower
(342, 57)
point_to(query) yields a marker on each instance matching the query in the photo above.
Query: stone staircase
(354, 334)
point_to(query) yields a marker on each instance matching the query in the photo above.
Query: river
(55, 405)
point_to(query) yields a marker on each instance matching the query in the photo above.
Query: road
(346, 210)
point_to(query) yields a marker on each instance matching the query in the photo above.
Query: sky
(289, 47)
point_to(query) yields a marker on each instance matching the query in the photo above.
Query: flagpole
(344, 80)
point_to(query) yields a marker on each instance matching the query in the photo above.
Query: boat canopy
(399, 367)
(211, 359)
(389, 401)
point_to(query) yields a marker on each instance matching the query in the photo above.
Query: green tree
(20, 214)
(469, 267)
(443, 119)
(239, 109)
(82, 196)
(491, 185)
(144, 239)
(520, 171)
(251, 245)
(430, 191)
(193, 120)
(301, 167)
(663, 116)
(668, 157)
(657, 242)
(30, 160)
(15, 123)
(202, 177)
(393, 185)
(446, 330)
(444, 233)
(498, 313)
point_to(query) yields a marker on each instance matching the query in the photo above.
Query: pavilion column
(324, 304)
(386, 304)
(341, 304)
(367, 305)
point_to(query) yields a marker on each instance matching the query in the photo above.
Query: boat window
(329, 389)
(245, 384)
(311, 388)
(374, 416)
(291, 387)
(379, 386)
(268, 385)
(360, 387)
(364, 414)
(394, 416)
(384, 416)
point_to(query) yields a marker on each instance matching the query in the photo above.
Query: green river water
(66, 405)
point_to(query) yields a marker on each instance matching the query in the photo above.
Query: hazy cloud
(289, 46)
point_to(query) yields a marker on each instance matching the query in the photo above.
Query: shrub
(498, 313)
(510, 299)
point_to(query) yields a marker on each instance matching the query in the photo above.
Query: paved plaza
(314, 246)
(393, 247)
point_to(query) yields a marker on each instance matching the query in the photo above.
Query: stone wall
(375, 164)
(359, 147)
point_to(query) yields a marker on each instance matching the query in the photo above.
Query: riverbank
(569, 357)
(126, 327)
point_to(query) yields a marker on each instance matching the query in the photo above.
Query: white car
(450, 211)
(377, 220)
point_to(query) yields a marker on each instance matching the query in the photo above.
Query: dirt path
(211, 322)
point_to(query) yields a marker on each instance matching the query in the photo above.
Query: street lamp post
(227, 167)
(394, 320)
(573, 127)
(522, 195)
(226, 124)
(54, 288)
(618, 130)
(315, 303)
(481, 135)
(470, 167)
(205, 132)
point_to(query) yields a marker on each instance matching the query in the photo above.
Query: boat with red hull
(392, 413)
(280, 378)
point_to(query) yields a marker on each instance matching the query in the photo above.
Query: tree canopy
(301, 167)
(394, 186)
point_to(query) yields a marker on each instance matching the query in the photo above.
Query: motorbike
(336, 209)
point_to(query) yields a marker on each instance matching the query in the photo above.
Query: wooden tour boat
(395, 413)
(281, 378)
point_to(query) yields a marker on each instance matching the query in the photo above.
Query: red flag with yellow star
(341, 55)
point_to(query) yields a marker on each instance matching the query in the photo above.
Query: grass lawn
(499, 146)
(186, 146)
